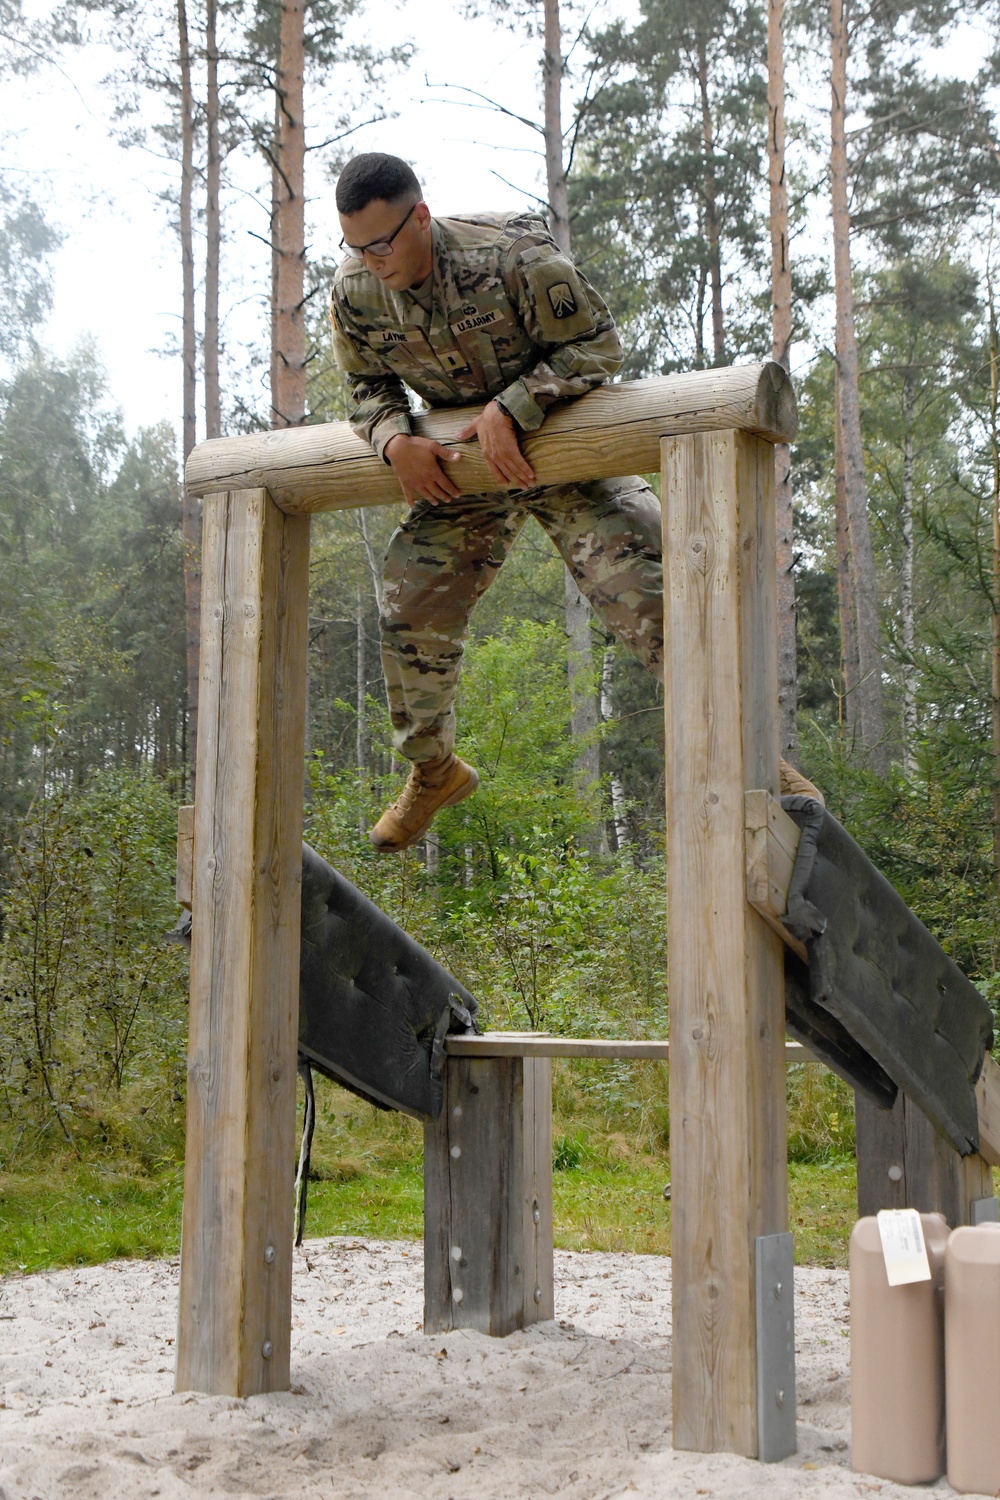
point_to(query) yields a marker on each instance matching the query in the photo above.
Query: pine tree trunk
(190, 508)
(699, 317)
(871, 704)
(995, 612)
(582, 693)
(361, 703)
(845, 584)
(288, 367)
(713, 230)
(361, 686)
(906, 590)
(781, 341)
(213, 226)
(188, 339)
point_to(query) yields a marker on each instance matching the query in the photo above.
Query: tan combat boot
(432, 784)
(794, 784)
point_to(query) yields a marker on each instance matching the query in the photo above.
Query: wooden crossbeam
(614, 430)
(538, 1044)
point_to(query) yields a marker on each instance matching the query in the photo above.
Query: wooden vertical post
(236, 1245)
(488, 1197)
(727, 1080)
(904, 1162)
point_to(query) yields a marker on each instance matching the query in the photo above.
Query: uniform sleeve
(381, 407)
(565, 317)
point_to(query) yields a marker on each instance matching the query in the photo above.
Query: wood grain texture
(614, 430)
(536, 1194)
(537, 1044)
(474, 1191)
(988, 1103)
(727, 1107)
(772, 840)
(932, 1177)
(236, 1252)
(185, 855)
(772, 843)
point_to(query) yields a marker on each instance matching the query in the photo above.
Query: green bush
(92, 1013)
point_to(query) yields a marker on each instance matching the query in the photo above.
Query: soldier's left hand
(497, 436)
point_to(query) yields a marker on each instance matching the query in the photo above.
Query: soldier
(483, 307)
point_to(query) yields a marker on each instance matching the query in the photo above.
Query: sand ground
(579, 1407)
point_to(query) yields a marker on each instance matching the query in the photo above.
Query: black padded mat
(881, 1002)
(374, 1006)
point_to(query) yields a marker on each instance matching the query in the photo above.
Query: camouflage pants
(443, 558)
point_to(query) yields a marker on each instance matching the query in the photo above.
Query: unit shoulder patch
(562, 299)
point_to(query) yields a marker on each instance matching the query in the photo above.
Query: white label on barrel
(903, 1247)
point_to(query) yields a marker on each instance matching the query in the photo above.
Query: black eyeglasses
(377, 247)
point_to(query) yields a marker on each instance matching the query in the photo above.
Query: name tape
(903, 1246)
(396, 336)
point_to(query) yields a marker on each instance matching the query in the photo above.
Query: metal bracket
(984, 1211)
(775, 1264)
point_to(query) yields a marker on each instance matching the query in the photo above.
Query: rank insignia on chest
(486, 319)
(452, 361)
(561, 299)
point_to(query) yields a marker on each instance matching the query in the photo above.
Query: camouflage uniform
(510, 317)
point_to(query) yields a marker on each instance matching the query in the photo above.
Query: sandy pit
(579, 1407)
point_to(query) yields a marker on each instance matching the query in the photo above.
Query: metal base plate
(984, 1211)
(775, 1347)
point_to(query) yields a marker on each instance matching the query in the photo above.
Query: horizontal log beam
(540, 1044)
(614, 430)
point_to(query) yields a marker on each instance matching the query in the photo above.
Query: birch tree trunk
(288, 365)
(213, 225)
(190, 507)
(712, 226)
(871, 704)
(582, 690)
(618, 819)
(909, 633)
(781, 340)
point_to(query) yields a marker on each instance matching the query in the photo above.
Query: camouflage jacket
(512, 317)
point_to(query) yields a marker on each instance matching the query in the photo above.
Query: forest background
(739, 180)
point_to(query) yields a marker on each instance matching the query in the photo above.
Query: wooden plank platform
(538, 1044)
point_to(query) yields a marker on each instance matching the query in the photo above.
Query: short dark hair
(374, 175)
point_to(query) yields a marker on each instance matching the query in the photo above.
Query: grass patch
(609, 1153)
(73, 1214)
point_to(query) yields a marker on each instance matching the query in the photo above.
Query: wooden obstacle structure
(710, 434)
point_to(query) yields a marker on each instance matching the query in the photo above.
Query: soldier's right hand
(416, 463)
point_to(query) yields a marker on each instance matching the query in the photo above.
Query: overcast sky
(117, 274)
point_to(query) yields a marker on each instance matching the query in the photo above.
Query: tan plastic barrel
(972, 1358)
(897, 1360)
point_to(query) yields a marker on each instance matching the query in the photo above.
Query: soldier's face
(410, 258)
